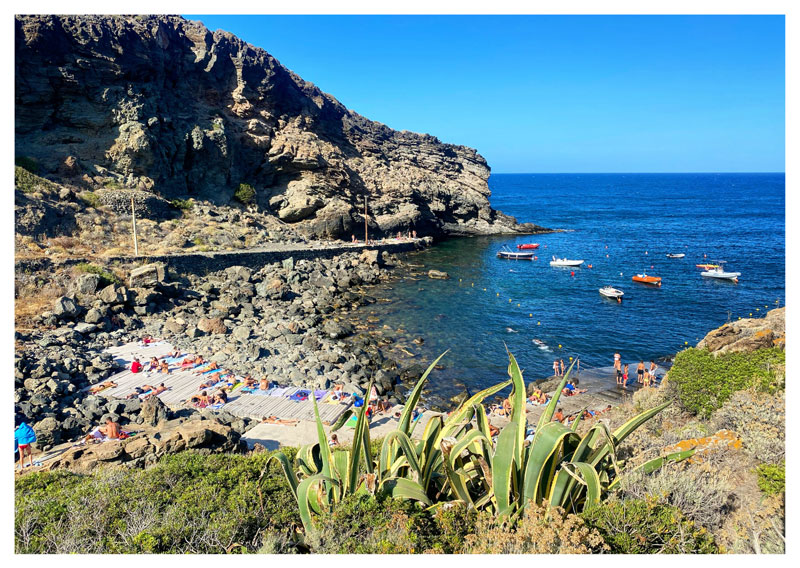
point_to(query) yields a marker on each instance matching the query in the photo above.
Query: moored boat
(707, 266)
(611, 292)
(514, 255)
(675, 255)
(721, 274)
(528, 246)
(645, 279)
(565, 262)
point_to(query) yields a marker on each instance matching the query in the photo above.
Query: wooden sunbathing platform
(183, 384)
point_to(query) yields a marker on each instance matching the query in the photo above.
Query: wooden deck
(183, 384)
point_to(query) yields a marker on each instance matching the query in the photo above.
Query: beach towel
(260, 392)
(236, 386)
(351, 423)
(144, 394)
(212, 371)
(280, 391)
(217, 405)
(319, 395)
(172, 360)
(248, 389)
(24, 435)
(300, 395)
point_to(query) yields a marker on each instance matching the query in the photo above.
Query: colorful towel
(319, 395)
(300, 395)
(212, 371)
(280, 391)
(217, 406)
(351, 423)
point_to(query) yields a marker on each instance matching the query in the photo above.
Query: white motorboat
(613, 293)
(565, 262)
(514, 255)
(721, 274)
(675, 255)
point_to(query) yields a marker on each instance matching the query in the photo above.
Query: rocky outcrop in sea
(163, 106)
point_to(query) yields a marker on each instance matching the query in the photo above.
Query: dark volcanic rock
(161, 104)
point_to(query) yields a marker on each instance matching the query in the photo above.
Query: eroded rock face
(748, 334)
(162, 104)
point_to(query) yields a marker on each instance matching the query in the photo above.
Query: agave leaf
(341, 460)
(482, 420)
(366, 449)
(624, 431)
(406, 447)
(342, 420)
(458, 480)
(503, 468)
(548, 440)
(473, 437)
(428, 451)
(413, 399)
(358, 441)
(459, 416)
(304, 492)
(402, 488)
(587, 476)
(550, 409)
(291, 477)
(578, 419)
(654, 464)
(322, 440)
(518, 409)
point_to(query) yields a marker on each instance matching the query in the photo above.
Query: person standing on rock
(617, 361)
(555, 368)
(640, 372)
(561, 365)
(24, 436)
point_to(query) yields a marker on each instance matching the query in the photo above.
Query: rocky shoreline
(286, 321)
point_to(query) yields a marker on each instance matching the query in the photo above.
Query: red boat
(528, 246)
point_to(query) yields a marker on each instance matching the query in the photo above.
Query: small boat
(514, 255)
(721, 274)
(707, 266)
(565, 262)
(611, 292)
(528, 246)
(675, 255)
(645, 279)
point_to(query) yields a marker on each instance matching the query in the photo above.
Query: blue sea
(620, 224)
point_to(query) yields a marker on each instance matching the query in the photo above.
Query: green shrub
(772, 478)
(638, 526)
(27, 182)
(90, 198)
(27, 163)
(112, 183)
(244, 194)
(182, 204)
(187, 503)
(106, 277)
(705, 382)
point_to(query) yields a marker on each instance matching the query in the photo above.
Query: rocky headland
(159, 108)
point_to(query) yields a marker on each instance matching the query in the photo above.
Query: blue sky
(553, 93)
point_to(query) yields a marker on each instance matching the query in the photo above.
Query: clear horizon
(566, 94)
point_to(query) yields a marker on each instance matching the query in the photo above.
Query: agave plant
(456, 460)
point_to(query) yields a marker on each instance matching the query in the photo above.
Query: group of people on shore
(409, 235)
(645, 376)
(559, 368)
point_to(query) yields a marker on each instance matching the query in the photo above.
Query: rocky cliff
(162, 104)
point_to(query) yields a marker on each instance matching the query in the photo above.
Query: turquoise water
(634, 219)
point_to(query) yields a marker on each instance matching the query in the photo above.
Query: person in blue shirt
(24, 436)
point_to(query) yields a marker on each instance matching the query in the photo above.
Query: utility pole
(135, 240)
(366, 236)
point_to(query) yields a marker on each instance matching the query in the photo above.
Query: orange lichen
(722, 439)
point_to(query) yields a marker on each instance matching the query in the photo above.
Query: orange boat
(707, 266)
(645, 279)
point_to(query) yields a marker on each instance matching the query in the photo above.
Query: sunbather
(276, 420)
(154, 364)
(199, 400)
(558, 416)
(570, 389)
(383, 405)
(164, 368)
(220, 397)
(108, 432)
(156, 391)
(213, 366)
(147, 340)
(188, 362)
(100, 387)
(174, 354)
(493, 430)
(211, 382)
(264, 385)
(249, 382)
(337, 387)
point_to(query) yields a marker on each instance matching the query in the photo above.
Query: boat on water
(707, 266)
(720, 274)
(611, 292)
(675, 255)
(528, 246)
(565, 262)
(512, 255)
(645, 279)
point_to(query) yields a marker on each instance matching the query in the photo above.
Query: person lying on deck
(249, 382)
(212, 381)
(276, 420)
(174, 354)
(189, 362)
(264, 384)
(156, 391)
(504, 409)
(493, 430)
(570, 389)
(213, 366)
(199, 400)
(100, 387)
(337, 387)
(136, 392)
(538, 397)
(147, 340)
(220, 397)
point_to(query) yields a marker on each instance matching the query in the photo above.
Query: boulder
(108, 451)
(238, 274)
(212, 325)
(84, 328)
(112, 295)
(153, 411)
(148, 275)
(138, 447)
(336, 330)
(438, 274)
(48, 431)
(370, 257)
(87, 284)
(65, 307)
